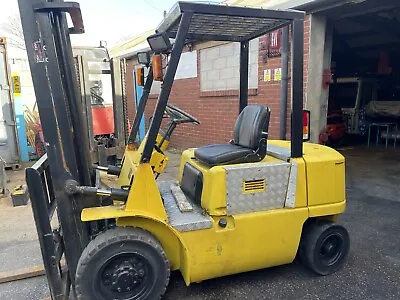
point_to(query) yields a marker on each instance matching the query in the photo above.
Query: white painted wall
(187, 67)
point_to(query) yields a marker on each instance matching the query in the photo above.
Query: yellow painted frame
(249, 241)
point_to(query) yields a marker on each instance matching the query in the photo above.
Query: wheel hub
(330, 250)
(124, 276)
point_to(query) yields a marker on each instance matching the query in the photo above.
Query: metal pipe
(111, 170)
(297, 89)
(140, 109)
(72, 187)
(167, 85)
(244, 75)
(284, 82)
(100, 168)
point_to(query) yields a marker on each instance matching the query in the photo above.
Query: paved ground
(18, 239)
(19, 247)
(372, 270)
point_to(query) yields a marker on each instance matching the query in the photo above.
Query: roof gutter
(313, 6)
(132, 54)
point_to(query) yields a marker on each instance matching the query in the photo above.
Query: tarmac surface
(371, 272)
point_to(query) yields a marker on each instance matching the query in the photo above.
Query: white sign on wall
(187, 67)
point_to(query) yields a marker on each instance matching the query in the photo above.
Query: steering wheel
(180, 116)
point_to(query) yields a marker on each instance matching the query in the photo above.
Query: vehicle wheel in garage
(123, 264)
(325, 247)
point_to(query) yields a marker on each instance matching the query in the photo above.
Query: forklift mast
(50, 57)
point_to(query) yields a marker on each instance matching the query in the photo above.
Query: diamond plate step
(182, 221)
(183, 204)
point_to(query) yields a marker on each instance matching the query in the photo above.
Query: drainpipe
(284, 83)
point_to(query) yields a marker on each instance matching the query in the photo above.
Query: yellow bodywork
(250, 241)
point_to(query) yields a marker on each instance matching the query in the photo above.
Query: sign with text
(16, 84)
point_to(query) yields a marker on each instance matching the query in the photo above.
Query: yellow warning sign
(267, 75)
(16, 84)
(278, 74)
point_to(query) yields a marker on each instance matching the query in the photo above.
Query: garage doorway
(364, 95)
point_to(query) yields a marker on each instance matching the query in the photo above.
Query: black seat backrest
(252, 126)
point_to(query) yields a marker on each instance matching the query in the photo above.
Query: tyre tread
(309, 242)
(114, 235)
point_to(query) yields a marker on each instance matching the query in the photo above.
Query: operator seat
(249, 143)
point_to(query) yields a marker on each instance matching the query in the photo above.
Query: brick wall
(217, 111)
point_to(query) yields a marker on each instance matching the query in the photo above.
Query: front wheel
(122, 264)
(325, 247)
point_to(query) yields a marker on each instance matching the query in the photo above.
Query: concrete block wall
(217, 110)
(219, 67)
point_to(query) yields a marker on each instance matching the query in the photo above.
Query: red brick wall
(217, 114)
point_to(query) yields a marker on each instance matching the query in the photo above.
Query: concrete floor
(371, 272)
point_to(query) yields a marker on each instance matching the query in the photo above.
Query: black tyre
(324, 247)
(122, 264)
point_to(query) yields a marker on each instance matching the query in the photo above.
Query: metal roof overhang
(310, 5)
(226, 23)
(339, 8)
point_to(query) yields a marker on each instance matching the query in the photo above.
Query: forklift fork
(51, 241)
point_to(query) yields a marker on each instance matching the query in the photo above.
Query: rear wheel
(324, 247)
(123, 264)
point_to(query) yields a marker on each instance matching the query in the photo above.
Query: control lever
(111, 170)
(72, 187)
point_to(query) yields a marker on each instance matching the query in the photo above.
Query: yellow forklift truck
(249, 204)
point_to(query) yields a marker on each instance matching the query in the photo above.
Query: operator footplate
(186, 220)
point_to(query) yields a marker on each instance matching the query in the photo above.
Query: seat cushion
(222, 154)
